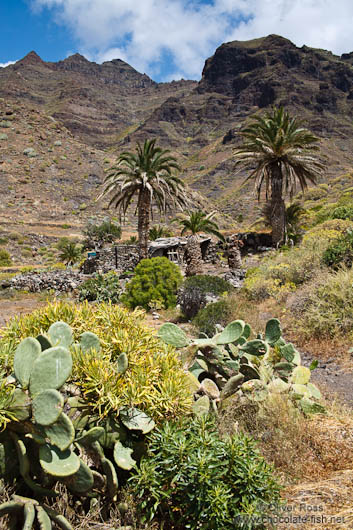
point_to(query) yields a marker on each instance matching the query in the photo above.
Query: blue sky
(167, 39)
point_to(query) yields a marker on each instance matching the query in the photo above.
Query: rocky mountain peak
(32, 58)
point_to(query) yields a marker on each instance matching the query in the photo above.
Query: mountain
(99, 103)
(103, 109)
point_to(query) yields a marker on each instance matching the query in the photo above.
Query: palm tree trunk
(277, 207)
(143, 222)
(193, 256)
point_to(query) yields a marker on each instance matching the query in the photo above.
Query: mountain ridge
(109, 107)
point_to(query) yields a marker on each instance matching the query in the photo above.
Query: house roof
(169, 242)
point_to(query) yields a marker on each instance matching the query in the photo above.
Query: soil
(11, 308)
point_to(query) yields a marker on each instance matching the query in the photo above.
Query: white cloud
(3, 65)
(149, 33)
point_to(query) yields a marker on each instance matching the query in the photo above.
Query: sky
(167, 39)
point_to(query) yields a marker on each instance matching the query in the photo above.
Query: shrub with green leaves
(155, 280)
(97, 233)
(193, 292)
(325, 307)
(101, 288)
(340, 252)
(212, 314)
(208, 284)
(343, 212)
(202, 481)
(5, 258)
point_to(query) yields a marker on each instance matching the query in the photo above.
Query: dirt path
(11, 308)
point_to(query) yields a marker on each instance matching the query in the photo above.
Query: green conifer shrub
(155, 280)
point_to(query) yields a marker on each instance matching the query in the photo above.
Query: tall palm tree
(280, 153)
(147, 175)
(197, 222)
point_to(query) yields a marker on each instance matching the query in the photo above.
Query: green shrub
(5, 258)
(156, 279)
(192, 295)
(343, 212)
(212, 314)
(202, 481)
(101, 288)
(97, 233)
(325, 306)
(340, 252)
(213, 285)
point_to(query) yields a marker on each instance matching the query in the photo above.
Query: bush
(343, 212)
(325, 307)
(99, 233)
(155, 280)
(202, 481)
(101, 288)
(154, 381)
(5, 258)
(192, 295)
(340, 252)
(213, 285)
(212, 314)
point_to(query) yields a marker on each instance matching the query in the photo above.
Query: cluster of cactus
(231, 362)
(54, 437)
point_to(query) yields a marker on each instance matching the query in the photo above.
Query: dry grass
(104, 516)
(299, 447)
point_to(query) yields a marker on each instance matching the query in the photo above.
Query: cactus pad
(301, 375)
(231, 333)
(44, 342)
(82, 481)
(201, 406)
(122, 456)
(210, 388)
(136, 420)
(232, 386)
(25, 355)
(47, 406)
(122, 363)
(89, 341)
(172, 334)
(50, 370)
(273, 331)
(60, 334)
(61, 433)
(255, 347)
(58, 463)
(93, 435)
(19, 405)
(43, 519)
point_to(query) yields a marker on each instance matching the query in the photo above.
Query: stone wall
(120, 258)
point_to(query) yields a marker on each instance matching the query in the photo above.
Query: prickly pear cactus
(52, 431)
(235, 363)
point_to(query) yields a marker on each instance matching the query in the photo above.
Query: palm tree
(282, 152)
(70, 252)
(147, 175)
(295, 213)
(197, 222)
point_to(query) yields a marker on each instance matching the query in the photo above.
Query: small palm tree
(158, 231)
(146, 175)
(295, 213)
(70, 252)
(281, 153)
(197, 222)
